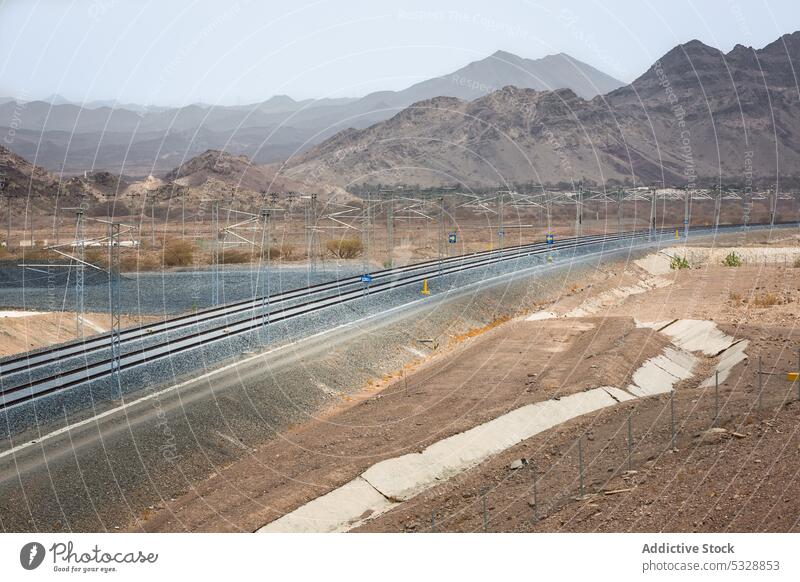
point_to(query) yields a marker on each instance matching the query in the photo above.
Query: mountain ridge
(73, 139)
(696, 114)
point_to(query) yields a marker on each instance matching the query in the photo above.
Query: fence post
(580, 464)
(672, 420)
(716, 398)
(759, 383)
(630, 442)
(484, 490)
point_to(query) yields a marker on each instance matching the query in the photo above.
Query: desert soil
(738, 478)
(21, 331)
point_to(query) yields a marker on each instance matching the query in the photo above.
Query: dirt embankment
(685, 478)
(21, 331)
(729, 463)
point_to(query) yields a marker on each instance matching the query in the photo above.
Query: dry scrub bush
(345, 248)
(136, 262)
(766, 300)
(178, 253)
(234, 257)
(273, 253)
(96, 256)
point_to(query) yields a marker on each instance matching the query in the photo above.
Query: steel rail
(79, 375)
(91, 371)
(32, 359)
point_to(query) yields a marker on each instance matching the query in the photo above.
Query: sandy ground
(21, 331)
(739, 478)
(738, 473)
(486, 376)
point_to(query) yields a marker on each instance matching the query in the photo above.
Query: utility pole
(80, 238)
(114, 299)
(620, 196)
(29, 212)
(686, 213)
(652, 213)
(183, 212)
(8, 213)
(215, 295)
(717, 206)
(153, 221)
(579, 211)
(746, 207)
(501, 234)
(427, 208)
(311, 226)
(55, 215)
(441, 233)
(366, 225)
(390, 232)
(773, 206)
(265, 252)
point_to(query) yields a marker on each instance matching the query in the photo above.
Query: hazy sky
(241, 51)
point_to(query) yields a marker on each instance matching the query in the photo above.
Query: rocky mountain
(501, 69)
(236, 172)
(696, 114)
(220, 174)
(134, 140)
(19, 178)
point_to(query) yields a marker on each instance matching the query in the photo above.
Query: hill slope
(140, 141)
(697, 113)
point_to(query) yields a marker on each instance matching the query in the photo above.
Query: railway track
(26, 376)
(81, 348)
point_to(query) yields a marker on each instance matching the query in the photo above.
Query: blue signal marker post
(366, 279)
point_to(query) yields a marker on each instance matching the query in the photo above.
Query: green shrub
(732, 260)
(678, 263)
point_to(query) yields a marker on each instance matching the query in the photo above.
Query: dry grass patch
(178, 253)
(766, 300)
(345, 248)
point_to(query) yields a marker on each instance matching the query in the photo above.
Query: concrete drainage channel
(389, 483)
